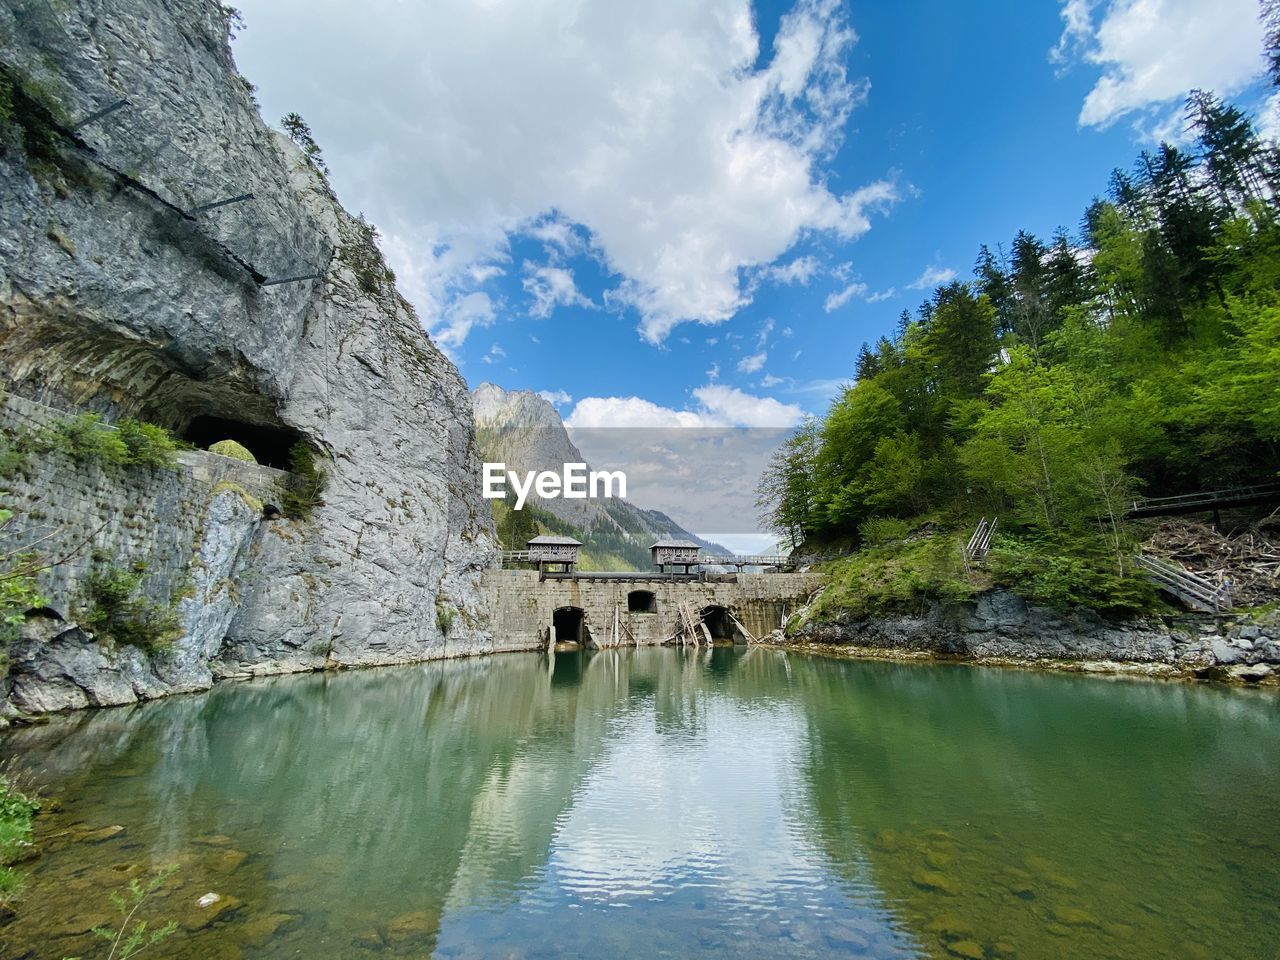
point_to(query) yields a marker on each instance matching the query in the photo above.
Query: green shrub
(444, 618)
(229, 448)
(880, 530)
(148, 444)
(17, 810)
(116, 612)
(1081, 572)
(303, 490)
(19, 589)
(894, 578)
(15, 452)
(87, 437)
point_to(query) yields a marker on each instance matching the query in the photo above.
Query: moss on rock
(236, 451)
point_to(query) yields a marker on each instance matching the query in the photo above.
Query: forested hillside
(1136, 355)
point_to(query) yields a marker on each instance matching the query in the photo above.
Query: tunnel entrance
(567, 625)
(642, 601)
(270, 445)
(720, 624)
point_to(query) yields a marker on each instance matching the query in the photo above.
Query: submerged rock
(1075, 917)
(935, 882)
(207, 910)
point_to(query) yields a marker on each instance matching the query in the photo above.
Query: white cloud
(821, 390)
(595, 412)
(838, 299)
(733, 407)
(551, 287)
(473, 310)
(753, 363)
(800, 270)
(769, 381)
(718, 406)
(881, 295)
(555, 232)
(555, 397)
(1152, 52)
(762, 335)
(714, 373)
(932, 277)
(1269, 119)
(495, 354)
(457, 125)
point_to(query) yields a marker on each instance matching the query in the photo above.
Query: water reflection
(665, 803)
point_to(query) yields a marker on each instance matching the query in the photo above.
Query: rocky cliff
(524, 431)
(125, 290)
(1001, 627)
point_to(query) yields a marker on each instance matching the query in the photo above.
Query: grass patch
(227, 486)
(17, 810)
(236, 451)
(1067, 574)
(896, 577)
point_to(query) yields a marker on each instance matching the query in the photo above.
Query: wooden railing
(772, 560)
(975, 551)
(1204, 499)
(1195, 591)
(534, 556)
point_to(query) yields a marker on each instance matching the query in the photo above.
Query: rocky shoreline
(999, 628)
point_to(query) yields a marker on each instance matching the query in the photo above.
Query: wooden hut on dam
(549, 551)
(674, 553)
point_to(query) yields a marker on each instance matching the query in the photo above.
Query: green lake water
(659, 803)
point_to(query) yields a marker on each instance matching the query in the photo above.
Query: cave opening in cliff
(269, 444)
(567, 624)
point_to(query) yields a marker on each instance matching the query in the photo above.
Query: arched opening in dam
(642, 601)
(568, 625)
(720, 625)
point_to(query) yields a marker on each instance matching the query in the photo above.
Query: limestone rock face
(999, 625)
(118, 295)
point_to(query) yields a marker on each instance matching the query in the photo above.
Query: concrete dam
(531, 610)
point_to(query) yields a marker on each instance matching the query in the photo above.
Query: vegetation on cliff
(1141, 356)
(116, 610)
(303, 490)
(131, 443)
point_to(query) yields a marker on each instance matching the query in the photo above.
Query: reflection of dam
(438, 802)
(719, 802)
(527, 609)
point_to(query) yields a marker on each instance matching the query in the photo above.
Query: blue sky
(567, 188)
